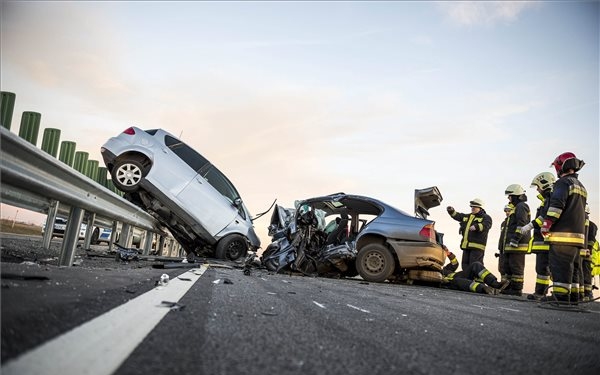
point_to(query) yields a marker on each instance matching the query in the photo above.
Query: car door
(198, 197)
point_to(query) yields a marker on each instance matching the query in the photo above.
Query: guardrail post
(161, 245)
(30, 126)
(67, 253)
(124, 237)
(6, 108)
(50, 141)
(113, 236)
(148, 237)
(89, 230)
(80, 163)
(50, 219)
(67, 152)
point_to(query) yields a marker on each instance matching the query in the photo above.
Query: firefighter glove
(526, 228)
(472, 228)
(450, 209)
(545, 229)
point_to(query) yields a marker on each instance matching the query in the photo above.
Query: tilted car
(182, 190)
(356, 234)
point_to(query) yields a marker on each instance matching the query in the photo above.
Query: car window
(223, 186)
(151, 131)
(186, 153)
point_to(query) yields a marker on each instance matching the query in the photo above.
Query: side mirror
(237, 202)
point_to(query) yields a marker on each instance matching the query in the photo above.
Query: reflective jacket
(592, 245)
(538, 244)
(450, 269)
(566, 211)
(477, 239)
(518, 217)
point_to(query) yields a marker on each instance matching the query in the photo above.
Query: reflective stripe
(473, 286)
(480, 227)
(484, 272)
(476, 245)
(539, 245)
(561, 288)
(517, 278)
(466, 234)
(577, 189)
(566, 237)
(542, 279)
(554, 212)
(524, 248)
(539, 221)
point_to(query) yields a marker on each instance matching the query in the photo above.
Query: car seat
(338, 235)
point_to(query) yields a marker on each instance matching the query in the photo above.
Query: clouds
(484, 13)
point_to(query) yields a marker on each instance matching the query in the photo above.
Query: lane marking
(358, 308)
(101, 345)
(318, 304)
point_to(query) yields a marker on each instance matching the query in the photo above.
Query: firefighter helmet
(476, 203)
(514, 189)
(566, 161)
(543, 181)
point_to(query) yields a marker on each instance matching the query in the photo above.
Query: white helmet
(544, 180)
(514, 189)
(476, 203)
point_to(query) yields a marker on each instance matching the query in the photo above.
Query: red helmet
(559, 162)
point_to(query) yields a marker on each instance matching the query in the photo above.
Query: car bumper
(419, 255)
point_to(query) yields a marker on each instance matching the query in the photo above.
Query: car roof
(341, 202)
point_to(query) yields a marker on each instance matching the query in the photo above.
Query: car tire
(95, 236)
(375, 262)
(232, 247)
(127, 174)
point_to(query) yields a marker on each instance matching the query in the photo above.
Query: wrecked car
(351, 235)
(183, 191)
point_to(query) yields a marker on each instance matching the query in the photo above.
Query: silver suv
(183, 191)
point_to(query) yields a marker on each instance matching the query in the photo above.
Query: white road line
(358, 308)
(101, 345)
(318, 304)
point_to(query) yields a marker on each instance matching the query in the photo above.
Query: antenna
(180, 133)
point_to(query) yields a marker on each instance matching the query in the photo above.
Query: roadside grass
(7, 226)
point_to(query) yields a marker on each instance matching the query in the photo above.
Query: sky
(299, 99)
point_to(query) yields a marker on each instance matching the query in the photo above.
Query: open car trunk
(425, 199)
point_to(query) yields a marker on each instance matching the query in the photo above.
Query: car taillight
(129, 131)
(428, 232)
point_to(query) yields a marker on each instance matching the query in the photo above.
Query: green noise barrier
(102, 176)
(80, 162)
(92, 169)
(67, 152)
(50, 141)
(6, 108)
(30, 126)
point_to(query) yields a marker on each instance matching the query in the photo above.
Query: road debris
(174, 306)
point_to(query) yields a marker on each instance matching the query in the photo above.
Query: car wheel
(127, 174)
(231, 247)
(375, 263)
(95, 236)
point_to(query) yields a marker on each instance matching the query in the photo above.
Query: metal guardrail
(32, 179)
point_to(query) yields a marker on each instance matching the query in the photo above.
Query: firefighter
(500, 254)
(595, 258)
(516, 244)
(475, 278)
(586, 257)
(474, 228)
(543, 182)
(564, 225)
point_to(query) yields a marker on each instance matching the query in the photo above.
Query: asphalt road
(264, 323)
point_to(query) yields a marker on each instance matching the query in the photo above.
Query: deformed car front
(358, 234)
